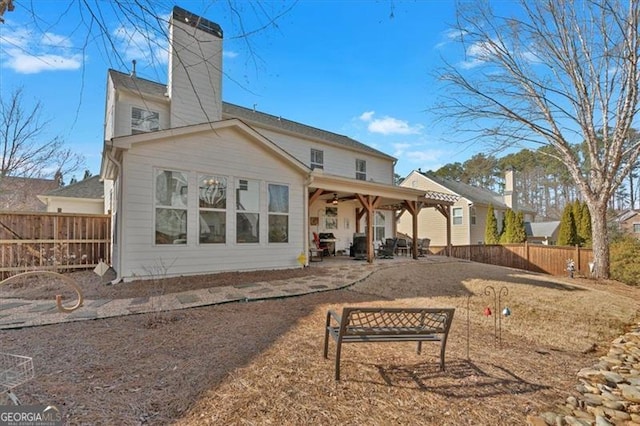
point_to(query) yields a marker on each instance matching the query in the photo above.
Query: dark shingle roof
(470, 192)
(142, 86)
(20, 194)
(87, 188)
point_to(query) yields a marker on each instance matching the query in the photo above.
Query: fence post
(578, 258)
(526, 250)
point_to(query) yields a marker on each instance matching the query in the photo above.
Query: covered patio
(349, 206)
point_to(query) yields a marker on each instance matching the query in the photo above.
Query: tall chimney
(195, 69)
(510, 194)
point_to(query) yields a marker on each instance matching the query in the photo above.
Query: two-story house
(468, 219)
(198, 185)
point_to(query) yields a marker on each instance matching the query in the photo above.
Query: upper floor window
(636, 228)
(317, 159)
(457, 215)
(278, 213)
(472, 215)
(143, 121)
(361, 169)
(171, 200)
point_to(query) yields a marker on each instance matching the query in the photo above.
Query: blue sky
(343, 66)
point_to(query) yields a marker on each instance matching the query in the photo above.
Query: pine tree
(519, 233)
(567, 234)
(576, 210)
(509, 227)
(491, 229)
(584, 230)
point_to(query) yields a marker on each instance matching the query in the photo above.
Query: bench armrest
(332, 314)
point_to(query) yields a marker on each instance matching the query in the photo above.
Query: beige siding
(338, 161)
(224, 153)
(431, 223)
(75, 205)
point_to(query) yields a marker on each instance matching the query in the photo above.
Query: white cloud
(448, 36)
(425, 156)
(367, 116)
(134, 44)
(388, 125)
(229, 54)
(393, 126)
(27, 52)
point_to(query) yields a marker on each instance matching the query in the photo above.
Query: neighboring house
(629, 222)
(85, 196)
(468, 215)
(542, 232)
(197, 185)
(21, 194)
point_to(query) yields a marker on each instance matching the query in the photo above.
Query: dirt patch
(261, 362)
(95, 287)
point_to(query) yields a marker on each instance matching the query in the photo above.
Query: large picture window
(378, 226)
(171, 200)
(278, 213)
(212, 203)
(247, 211)
(143, 121)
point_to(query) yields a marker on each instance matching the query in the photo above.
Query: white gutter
(118, 187)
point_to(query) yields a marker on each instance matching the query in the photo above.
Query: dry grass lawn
(261, 362)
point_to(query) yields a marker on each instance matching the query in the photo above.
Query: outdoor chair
(403, 247)
(388, 249)
(324, 247)
(423, 247)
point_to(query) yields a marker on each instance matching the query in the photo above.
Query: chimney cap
(196, 21)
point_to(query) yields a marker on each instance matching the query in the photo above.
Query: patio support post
(368, 205)
(413, 208)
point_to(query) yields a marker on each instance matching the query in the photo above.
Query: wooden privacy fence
(52, 241)
(531, 257)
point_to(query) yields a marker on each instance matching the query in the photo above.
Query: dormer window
(361, 169)
(143, 121)
(317, 159)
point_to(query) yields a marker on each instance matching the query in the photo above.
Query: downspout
(305, 222)
(118, 187)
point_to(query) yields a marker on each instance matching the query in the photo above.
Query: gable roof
(470, 192)
(20, 193)
(147, 87)
(91, 188)
(626, 215)
(541, 229)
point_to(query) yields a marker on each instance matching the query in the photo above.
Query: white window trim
(315, 164)
(135, 130)
(454, 216)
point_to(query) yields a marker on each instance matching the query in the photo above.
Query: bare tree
(555, 72)
(24, 152)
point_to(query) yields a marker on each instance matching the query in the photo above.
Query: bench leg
(338, 350)
(419, 348)
(442, 348)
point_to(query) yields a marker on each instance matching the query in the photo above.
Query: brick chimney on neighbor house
(510, 194)
(195, 69)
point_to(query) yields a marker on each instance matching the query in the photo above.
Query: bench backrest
(393, 321)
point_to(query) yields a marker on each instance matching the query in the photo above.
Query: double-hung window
(317, 159)
(171, 201)
(278, 213)
(636, 228)
(361, 169)
(457, 215)
(143, 121)
(247, 211)
(212, 202)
